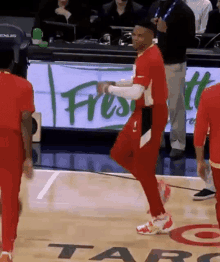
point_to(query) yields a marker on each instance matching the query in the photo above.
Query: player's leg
(209, 190)
(145, 164)
(10, 207)
(216, 176)
(146, 159)
(10, 179)
(161, 221)
(122, 151)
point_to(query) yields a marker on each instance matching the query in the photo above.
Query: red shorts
(128, 151)
(11, 151)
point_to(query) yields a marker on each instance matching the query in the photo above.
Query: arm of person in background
(211, 22)
(80, 13)
(64, 12)
(204, 18)
(208, 27)
(152, 10)
(185, 34)
(200, 134)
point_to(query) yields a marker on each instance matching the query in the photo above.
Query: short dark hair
(6, 57)
(146, 23)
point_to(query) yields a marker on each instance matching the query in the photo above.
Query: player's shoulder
(212, 90)
(154, 55)
(22, 82)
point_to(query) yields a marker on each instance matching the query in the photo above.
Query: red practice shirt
(208, 116)
(150, 69)
(16, 95)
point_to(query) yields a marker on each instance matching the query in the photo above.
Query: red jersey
(150, 72)
(16, 95)
(208, 116)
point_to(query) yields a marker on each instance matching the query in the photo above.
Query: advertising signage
(65, 94)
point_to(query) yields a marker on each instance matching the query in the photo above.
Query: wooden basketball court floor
(83, 216)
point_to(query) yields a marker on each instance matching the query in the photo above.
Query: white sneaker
(6, 256)
(158, 225)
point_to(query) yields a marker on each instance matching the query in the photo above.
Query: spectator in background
(64, 11)
(201, 9)
(175, 35)
(213, 26)
(125, 13)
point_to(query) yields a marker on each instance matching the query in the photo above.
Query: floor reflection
(68, 158)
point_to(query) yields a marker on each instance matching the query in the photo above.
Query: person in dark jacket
(175, 34)
(64, 11)
(213, 26)
(125, 13)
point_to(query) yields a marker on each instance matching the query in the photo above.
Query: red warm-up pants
(216, 176)
(11, 161)
(141, 162)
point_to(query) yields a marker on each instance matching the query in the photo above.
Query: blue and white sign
(65, 94)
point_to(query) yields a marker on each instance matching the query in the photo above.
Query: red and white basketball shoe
(6, 257)
(164, 190)
(161, 224)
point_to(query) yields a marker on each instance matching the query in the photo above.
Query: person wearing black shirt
(124, 13)
(64, 11)
(213, 26)
(175, 35)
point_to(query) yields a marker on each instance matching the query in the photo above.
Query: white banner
(65, 94)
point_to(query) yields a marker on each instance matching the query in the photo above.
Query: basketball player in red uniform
(207, 121)
(17, 106)
(137, 146)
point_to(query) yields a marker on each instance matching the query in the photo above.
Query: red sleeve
(27, 99)
(142, 76)
(202, 123)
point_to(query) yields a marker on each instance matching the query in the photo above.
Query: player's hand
(28, 168)
(154, 20)
(201, 169)
(161, 26)
(102, 87)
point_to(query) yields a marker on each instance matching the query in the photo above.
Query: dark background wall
(97, 3)
(29, 8)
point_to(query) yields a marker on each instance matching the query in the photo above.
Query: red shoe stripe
(168, 224)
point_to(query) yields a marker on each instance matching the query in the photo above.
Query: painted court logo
(197, 235)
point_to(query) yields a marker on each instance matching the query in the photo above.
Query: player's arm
(134, 91)
(122, 83)
(26, 129)
(201, 129)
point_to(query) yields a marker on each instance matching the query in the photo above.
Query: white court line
(119, 174)
(45, 170)
(48, 184)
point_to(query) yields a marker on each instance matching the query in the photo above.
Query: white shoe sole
(203, 198)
